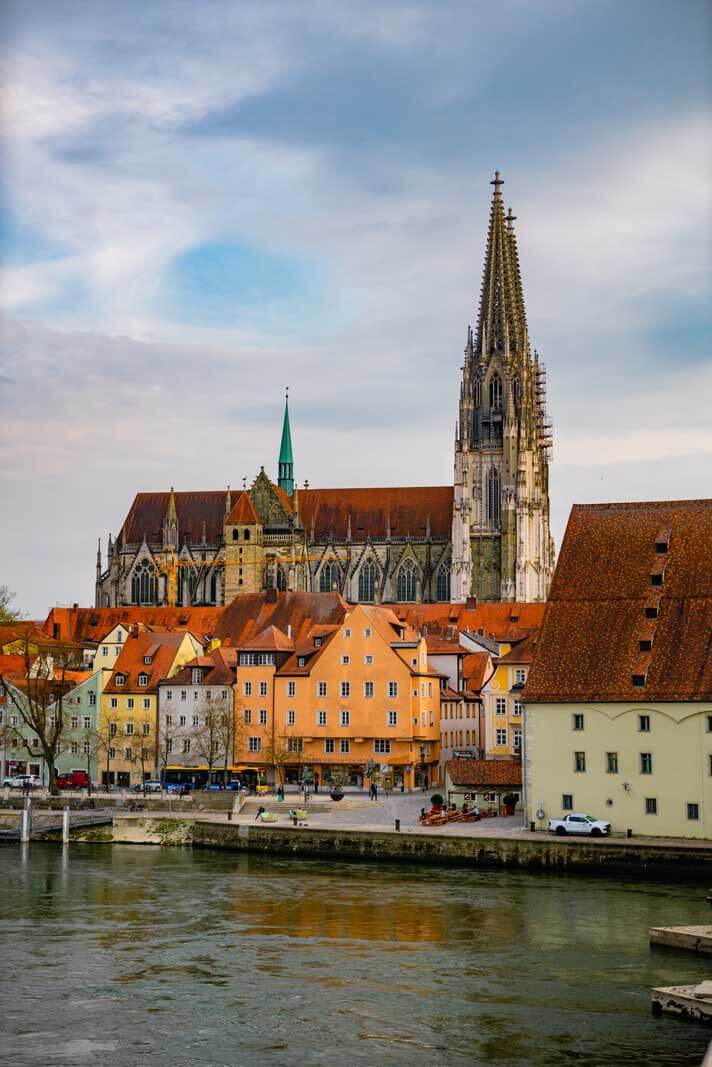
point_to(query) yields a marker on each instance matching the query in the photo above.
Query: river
(126, 955)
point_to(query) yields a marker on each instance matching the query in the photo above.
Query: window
(87, 722)
(368, 660)
(495, 393)
(345, 718)
(321, 689)
(169, 720)
(195, 694)
(146, 703)
(291, 717)
(119, 679)
(92, 699)
(329, 745)
(196, 720)
(130, 703)
(74, 722)
(709, 724)
(263, 716)
(646, 763)
(263, 689)
(430, 689)
(393, 689)
(517, 707)
(644, 724)
(693, 811)
(500, 705)
(128, 753)
(169, 694)
(501, 737)
(367, 582)
(247, 689)
(368, 689)
(247, 716)
(301, 661)
(344, 746)
(493, 496)
(442, 585)
(223, 694)
(318, 641)
(567, 802)
(182, 720)
(129, 727)
(256, 659)
(113, 728)
(367, 632)
(517, 740)
(114, 702)
(105, 650)
(392, 718)
(183, 694)
(86, 748)
(145, 728)
(345, 660)
(255, 744)
(407, 582)
(382, 746)
(520, 676)
(74, 748)
(291, 689)
(638, 680)
(294, 744)
(345, 689)
(577, 721)
(321, 718)
(611, 763)
(651, 806)
(579, 762)
(143, 584)
(328, 579)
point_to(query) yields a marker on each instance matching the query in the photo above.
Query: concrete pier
(692, 938)
(687, 1001)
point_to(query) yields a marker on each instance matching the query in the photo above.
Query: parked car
(17, 781)
(178, 787)
(580, 824)
(152, 785)
(73, 780)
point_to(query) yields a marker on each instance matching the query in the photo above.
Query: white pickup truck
(580, 824)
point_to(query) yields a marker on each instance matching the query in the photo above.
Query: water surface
(125, 955)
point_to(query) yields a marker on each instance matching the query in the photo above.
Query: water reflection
(198, 958)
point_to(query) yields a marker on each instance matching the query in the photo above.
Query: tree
(167, 732)
(106, 743)
(141, 744)
(35, 696)
(7, 613)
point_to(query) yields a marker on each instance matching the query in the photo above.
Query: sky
(205, 203)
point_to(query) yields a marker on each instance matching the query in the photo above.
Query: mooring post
(26, 820)
(65, 825)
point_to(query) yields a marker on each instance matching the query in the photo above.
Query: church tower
(501, 542)
(285, 478)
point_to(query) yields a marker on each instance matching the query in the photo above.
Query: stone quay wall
(691, 860)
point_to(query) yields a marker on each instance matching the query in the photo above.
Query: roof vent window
(662, 541)
(638, 681)
(645, 644)
(656, 579)
(651, 610)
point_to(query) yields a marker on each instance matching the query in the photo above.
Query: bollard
(65, 825)
(629, 833)
(26, 818)
(532, 826)
(398, 825)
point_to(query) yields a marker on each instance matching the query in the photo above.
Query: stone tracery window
(328, 577)
(516, 391)
(367, 582)
(493, 496)
(495, 393)
(407, 582)
(442, 591)
(143, 584)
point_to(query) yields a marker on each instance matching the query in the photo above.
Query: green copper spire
(286, 459)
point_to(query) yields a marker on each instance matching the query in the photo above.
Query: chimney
(471, 603)
(134, 629)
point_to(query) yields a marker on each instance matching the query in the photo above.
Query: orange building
(349, 702)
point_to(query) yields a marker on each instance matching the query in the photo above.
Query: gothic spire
(501, 314)
(285, 478)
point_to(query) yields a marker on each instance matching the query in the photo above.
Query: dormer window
(638, 681)
(119, 637)
(652, 609)
(301, 660)
(645, 644)
(662, 542)
(657, 579)
(317, 642)
(143, 679)
(147, 659)
(119, 679)
(197, 676)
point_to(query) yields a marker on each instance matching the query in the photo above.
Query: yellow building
(618, 704)
(348, 703)
(128, 722)
(502, 700)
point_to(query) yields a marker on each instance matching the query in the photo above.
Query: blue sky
(204, 203)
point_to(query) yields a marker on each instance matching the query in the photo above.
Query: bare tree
(142, 745)
(167, 733)
(7, 613)
(106, 736)
(35, 697)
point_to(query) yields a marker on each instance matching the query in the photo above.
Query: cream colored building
(618, 703)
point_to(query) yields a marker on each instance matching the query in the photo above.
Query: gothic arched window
(442, 591)
(477, 392)
(235, 535)
(495, 393)
(327, 577)
(407, 582)
(143, 584)
(516, 391)
(246, 535)
(367, 582)
(493, 496)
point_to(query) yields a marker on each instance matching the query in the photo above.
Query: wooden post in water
(26, 820)
(65, 825)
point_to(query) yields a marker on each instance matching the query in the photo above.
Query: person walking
(374, 791)
(316, 783)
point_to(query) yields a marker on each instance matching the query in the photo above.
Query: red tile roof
(270, 639)
(485, 772)
(588, 649)
(130, 662)
(410, 510)
(220, 664)
(500, 621)
(476, 668)
(90, 625)
(248, 615)
(243, 510)
(522, 652)
(437, 646)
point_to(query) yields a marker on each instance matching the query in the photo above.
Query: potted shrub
(510, 802)
(437, 801)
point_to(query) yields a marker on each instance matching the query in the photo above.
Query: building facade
(487, 536)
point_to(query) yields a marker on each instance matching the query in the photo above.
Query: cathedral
(486, 536)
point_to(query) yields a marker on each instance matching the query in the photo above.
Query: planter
(336, 796)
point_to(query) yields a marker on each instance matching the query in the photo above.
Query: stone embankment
(690, 859)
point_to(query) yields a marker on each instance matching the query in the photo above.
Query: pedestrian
(374, 787)
(316, 783)
(280, 792)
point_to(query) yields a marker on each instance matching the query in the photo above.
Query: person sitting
(260, 813)
(465, 808)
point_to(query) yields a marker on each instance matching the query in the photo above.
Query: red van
(73, 780)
